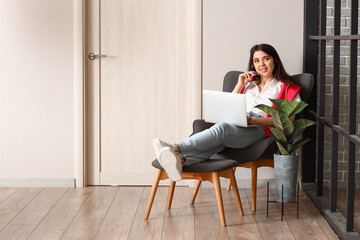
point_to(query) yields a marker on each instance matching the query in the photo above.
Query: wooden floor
(118, 212)
(341, 204)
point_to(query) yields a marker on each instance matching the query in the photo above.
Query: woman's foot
(159, 144)
(171, 162)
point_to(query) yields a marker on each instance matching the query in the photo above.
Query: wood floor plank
(88, 220)
(341, 204)
(179, 220)
(240, 227)
(357, 210)
(270, 228)
(308, 228)
(357, 223)
(244, 231)
(319, 218)
(35, 211)
(341, 200)
(261, 200)
(15, 203)
(207, 219)
(6, 192)
(59, 218)
(118, 213)
(304, 227)
(117, 222)
(151, 228)
(28, 219)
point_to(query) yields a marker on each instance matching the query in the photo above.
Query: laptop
(224, 107)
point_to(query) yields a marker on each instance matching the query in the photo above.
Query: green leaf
(299, 144)
(267, 109)
(299, 108)
(277, 102)
(282, 147)
(278, 134)
(292, 137)
(289, 146)
(283, 123)
(283, 143)
(302, 123)
(289, 107)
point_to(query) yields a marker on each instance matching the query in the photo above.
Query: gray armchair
(224, 163)
(261, 153)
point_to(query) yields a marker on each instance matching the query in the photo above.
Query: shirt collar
(251, 84)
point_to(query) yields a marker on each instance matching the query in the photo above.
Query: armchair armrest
(200, 125)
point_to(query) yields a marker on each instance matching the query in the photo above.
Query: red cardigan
(287, 92)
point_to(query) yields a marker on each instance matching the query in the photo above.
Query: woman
(274, 82)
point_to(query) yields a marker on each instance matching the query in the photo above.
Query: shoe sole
(169, 162)
(157, 145)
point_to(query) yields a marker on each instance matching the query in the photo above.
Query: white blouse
(255, 97)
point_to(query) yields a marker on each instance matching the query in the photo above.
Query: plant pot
(286, 171)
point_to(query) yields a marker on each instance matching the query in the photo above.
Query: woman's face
(263, 63)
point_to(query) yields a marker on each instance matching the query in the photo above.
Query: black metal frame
(333, 124)
(282, 201)
(310, 66)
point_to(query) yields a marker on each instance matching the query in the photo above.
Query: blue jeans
(253, 115)
(202, 145)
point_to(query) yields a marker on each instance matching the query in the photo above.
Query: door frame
(79, 93)
(79, 14)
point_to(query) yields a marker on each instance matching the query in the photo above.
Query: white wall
(36, 73)
(232, 27)
(36, 90)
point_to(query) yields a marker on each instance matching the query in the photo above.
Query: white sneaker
(170, 161)
(159, 144)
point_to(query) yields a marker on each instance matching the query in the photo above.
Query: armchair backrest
(230, 80)
(304, 80)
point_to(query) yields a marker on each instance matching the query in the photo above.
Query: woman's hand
(243, 79)
(249, 120)
(267, 122)
(260, 121)
(246, 77)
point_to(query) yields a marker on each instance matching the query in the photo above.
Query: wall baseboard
(70, 182)
(37, 182)
(242, 183)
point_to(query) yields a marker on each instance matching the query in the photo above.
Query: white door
(148, 84)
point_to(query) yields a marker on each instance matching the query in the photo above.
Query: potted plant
(286, 130)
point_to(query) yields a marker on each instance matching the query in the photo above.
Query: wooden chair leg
(229, 184)
(195, 191)
(216, 181)
(253, 186)
(152, 193)
(236, 193)
(171, 193)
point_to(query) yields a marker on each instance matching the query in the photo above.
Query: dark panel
(335, 108)
(311, 23)
(352, 120)
(321, 110)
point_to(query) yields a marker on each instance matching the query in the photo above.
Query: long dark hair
(279, 72)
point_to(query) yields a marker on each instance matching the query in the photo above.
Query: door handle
(92, 56)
